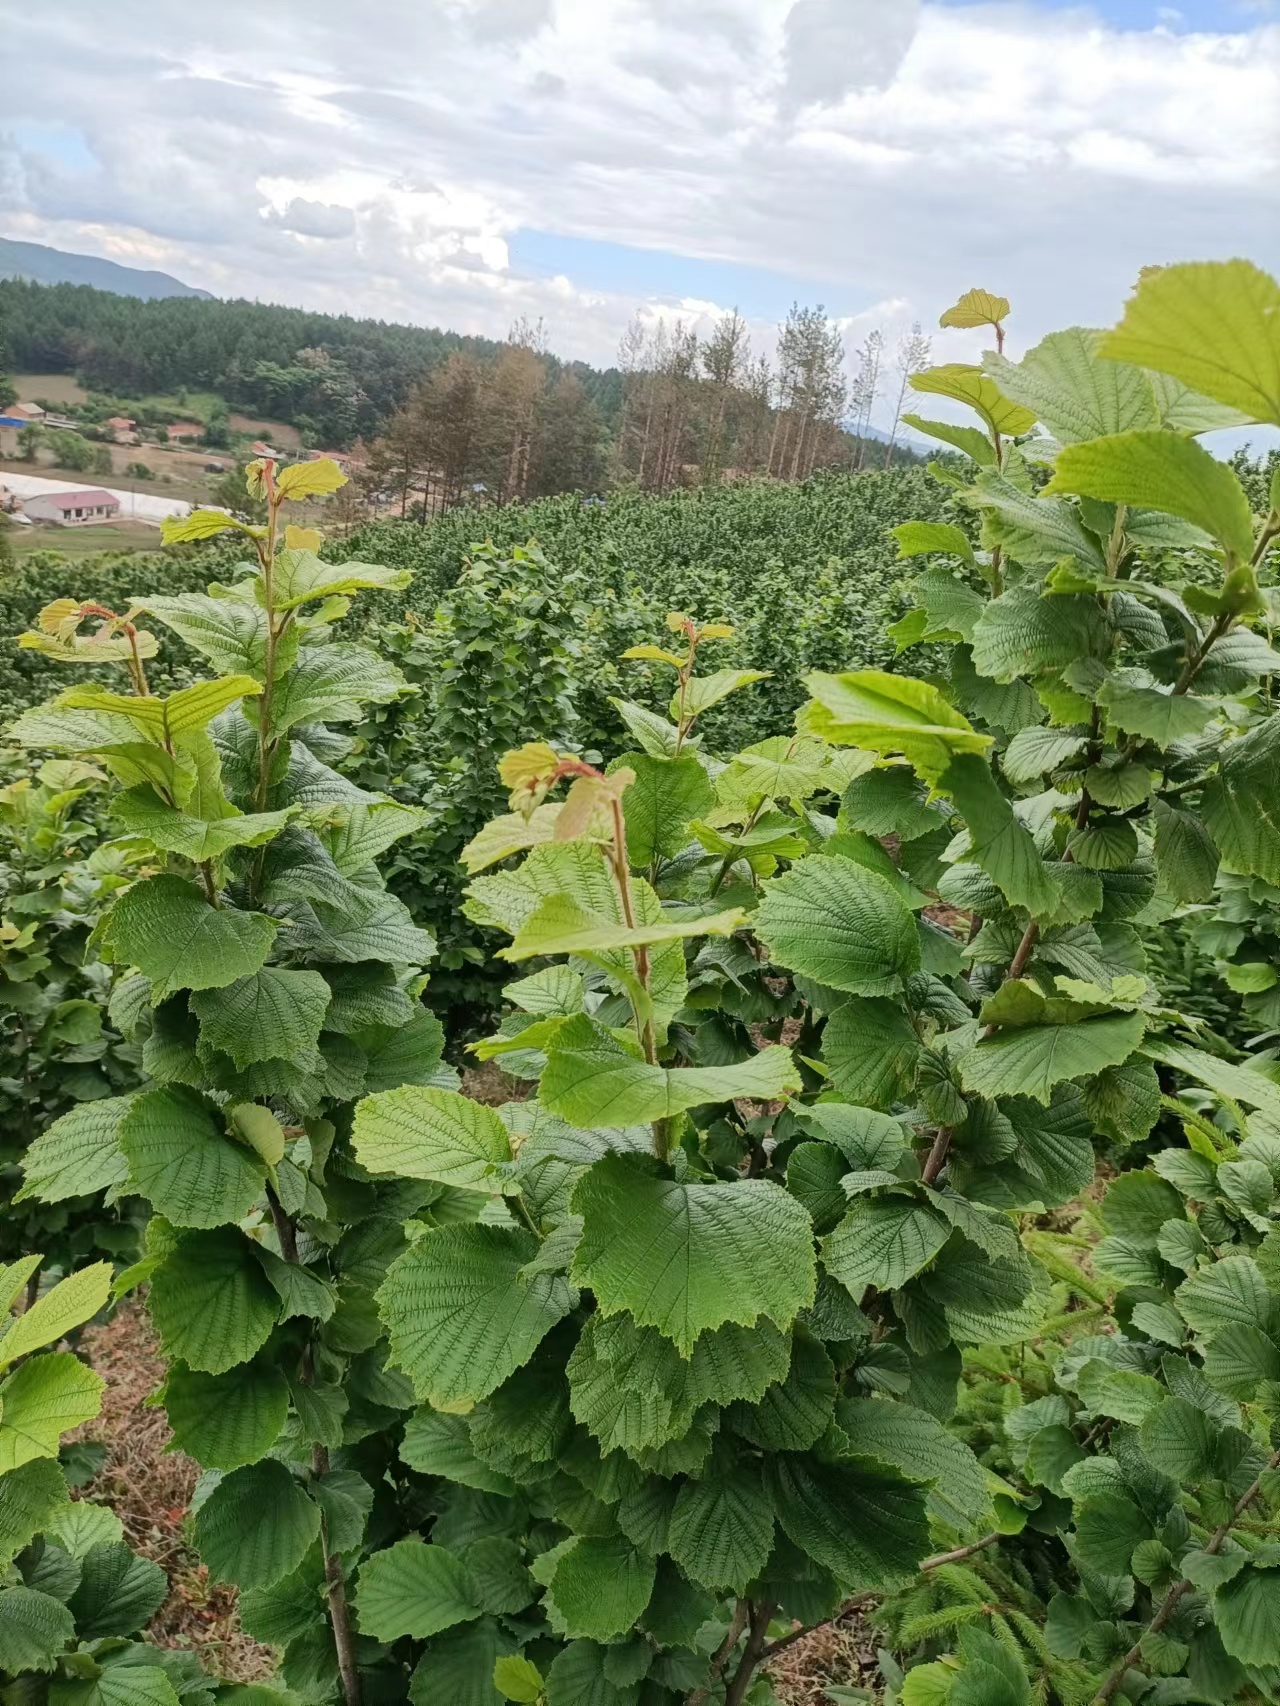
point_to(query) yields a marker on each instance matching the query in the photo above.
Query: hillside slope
(44, 265)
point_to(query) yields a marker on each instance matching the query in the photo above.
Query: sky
(463, 162)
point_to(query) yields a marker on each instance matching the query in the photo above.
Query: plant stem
(336, 1591)
(958, 1556)
(759, 1617)
(1115, 1678)
(720, 1657)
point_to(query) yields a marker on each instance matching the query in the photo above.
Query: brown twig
(720, 1658)
(760, 1617)
(1115, 1678)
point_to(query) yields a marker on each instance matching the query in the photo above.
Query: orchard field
(691, 1092)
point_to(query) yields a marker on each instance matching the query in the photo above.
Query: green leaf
(1240, 1357)
(166, 928)
(721, 1530)
(558, 925)
(924, 538)
(1180, 1440)
(184, 1163)
(973, 443)
(34, 1630)
(79, 1154)
(704, 691)
(458, 1666)
(592, 1080)
(883, 1241)
(860, 1520)
(356, 832)
(226, 1420)
(142, 812)
(1031, 1060)
(685, 1258)
(793, 1413)
(1163, 471)
(1232, 1292)
(211, 1302)
(414, 1589)
(871, 1048)
(1186, 857)
(984, 1301)
(1104, 844)
(438, 1444)
(117, 1685)
(658, 806)
(1247, 1613)
(230, 632)
(1034, 530)
(889, 714)
(1035, 750)
(71, 1303)
(41, 1400)
(32, 1498)
(1001, 843)
(1072, 391)
(840, 924)
(920, 1447)
(1026, 630)
(118, 1592)
(332, 684)
(600, 1587)
(256, 1526)
(1215, 325)
(1108, 1527)
(1139, 1204)
(971, 386)
(1240, 805)
(421, 1133)
(461, 1314)
(271, 1014)
(1157, 714)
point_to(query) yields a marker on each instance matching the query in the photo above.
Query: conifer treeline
(447, 419)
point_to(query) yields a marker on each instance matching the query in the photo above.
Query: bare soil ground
(149, 1486)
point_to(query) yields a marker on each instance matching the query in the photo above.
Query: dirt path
(149, 1489)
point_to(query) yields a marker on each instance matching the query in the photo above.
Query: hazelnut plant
(606, 1395)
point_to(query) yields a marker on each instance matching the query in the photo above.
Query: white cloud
(876, 151)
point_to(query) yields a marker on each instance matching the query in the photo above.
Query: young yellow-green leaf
(226, 1420)
(167, 928)
(1163, 471)
(79, 1154)
(13, 1280)
(973, 443)
(890, 714)
(300, 577)
(462, 1315)
(423, 1133)
(840, 924)
(1031, 1060)
(71, 1303)
(272, 1014)
(309, 479)
(416, 1590)
(181, 1159)
(1072, 391)
(41, 1400)
(560, 926)
(1215, 325)
(518, 1679)
(211, 1302)
(685, 1258)
(508, 834)
(592, 1080)
(970, 385)
(201, 524)
(256, 1526)
(977, 308)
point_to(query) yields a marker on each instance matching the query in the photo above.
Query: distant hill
(43, 265)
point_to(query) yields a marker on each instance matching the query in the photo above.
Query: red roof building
(70, 508)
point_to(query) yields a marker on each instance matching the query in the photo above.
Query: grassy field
(53, 387)
(77, 542)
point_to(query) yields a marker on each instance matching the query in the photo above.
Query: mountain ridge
(43, 264)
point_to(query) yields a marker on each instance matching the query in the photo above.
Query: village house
(178, 431)
(78, 508)
(121, 429)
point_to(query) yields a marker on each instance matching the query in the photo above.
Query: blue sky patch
(1181, 16)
